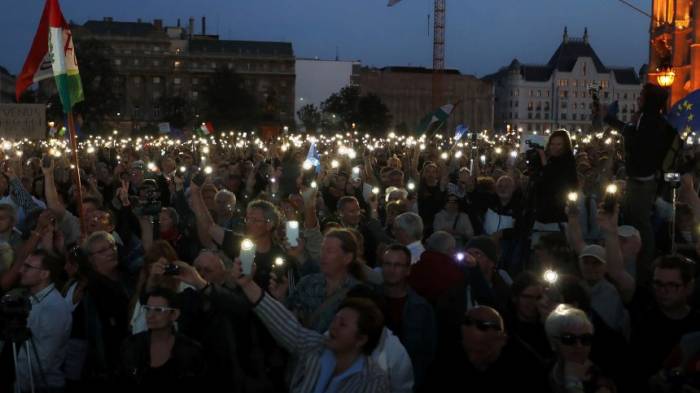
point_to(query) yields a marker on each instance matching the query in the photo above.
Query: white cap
(628, 231)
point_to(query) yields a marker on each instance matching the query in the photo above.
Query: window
(230, 66)
(137, 80)
(575, 105)
(563, 83)
(156, 49)
(195, 94)
(156, 79)
(136, 62)
(546, 106)
(539, 93)
(156, 95)
(195, 81)
(529, 115)
(547, 93)
(546, 116)
(213, 65)
(531, 93)
(563, 116)
(575, 94)
(624, 96)
(177, 63)
(604, 84)
(563, 105)
(118, 62)
(529, 105)
(539, 106)
(516, 103)
(156, 63)
(517, 92)
(126, 51)
(537, 115)
(573, 83)
(573, 116)
(606, 94)
(516, 115)
(156, 111)
(177, 81)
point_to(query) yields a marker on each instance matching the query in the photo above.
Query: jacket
(187, 357)
(556, 179)
(419, 334)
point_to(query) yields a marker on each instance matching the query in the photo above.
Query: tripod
(19, 336)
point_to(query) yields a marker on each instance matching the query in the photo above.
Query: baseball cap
(627, 231)
(595, 251)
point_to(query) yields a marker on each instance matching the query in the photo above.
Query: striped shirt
(309, 346)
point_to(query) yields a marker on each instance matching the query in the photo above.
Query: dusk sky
(482, 36)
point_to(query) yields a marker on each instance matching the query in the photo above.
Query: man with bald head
(488, 359)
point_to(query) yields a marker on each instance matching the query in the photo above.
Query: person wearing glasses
(453, 221)
(488, 360)
(658, 328)
(49, 322)
(570, 333)
(160, 359)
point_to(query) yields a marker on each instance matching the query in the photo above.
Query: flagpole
(76, 170)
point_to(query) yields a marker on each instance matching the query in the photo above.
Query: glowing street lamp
(665, 76)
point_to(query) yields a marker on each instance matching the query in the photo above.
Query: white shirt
(50, 321)
(416, 248)
(392, 357)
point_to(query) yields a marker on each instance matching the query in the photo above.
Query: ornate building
(675, 44)
(7, 86)
(558, 94)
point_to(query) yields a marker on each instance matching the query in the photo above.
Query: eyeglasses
(673, 286)
(103, 251)
(26, 266)
(157, 309)
(571, 339)
(483, 326)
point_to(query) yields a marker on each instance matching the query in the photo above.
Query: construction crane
(438, 51)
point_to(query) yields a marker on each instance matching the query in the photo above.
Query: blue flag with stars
(684, 116)
(313, 157)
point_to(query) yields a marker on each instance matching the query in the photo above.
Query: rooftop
(260, 48)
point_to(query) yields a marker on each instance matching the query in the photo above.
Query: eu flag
(684, 115)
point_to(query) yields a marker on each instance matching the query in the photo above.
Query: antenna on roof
(337, 54)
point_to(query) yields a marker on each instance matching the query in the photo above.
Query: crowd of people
(348, 263)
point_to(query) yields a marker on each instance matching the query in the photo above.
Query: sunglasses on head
(483, 326)
(571, 339)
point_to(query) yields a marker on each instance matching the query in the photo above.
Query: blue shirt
(326, 382)
(50, 321)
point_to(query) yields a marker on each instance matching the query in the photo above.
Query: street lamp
(665, 76)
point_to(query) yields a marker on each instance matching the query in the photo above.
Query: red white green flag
(53, 55)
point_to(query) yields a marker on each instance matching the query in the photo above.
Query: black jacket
(188, 364)
(646, 145)
(556, 180)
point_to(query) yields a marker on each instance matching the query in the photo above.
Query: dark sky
(481, 35)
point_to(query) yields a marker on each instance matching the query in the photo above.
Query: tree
(175, 110)
(373, 115)
(101, 87)
(227, 103)
(344, 105)
(310, 117)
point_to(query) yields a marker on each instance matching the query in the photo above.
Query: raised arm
(207, 230)
(574, 234)
(51, 193)
(615, 264)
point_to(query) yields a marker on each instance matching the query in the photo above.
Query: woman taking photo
(337, 363)
(553, 182)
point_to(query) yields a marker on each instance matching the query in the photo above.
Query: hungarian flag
(207, 128)
(53, 55)
(435, 119)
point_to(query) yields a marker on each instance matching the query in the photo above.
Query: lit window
(176, 81)
(156, 79)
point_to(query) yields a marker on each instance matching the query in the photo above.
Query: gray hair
(411, 223)
(96, 237)
(225, 193)
(270, 212)
(565, 317)
(391, 190)
(225, 260)
(173, 215)
(441, 242)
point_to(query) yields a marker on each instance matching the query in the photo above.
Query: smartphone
(293, 233)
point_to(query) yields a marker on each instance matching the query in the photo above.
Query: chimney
(138, 20)
(158, 24)
(566, 35)
(190, 28)
(204, 25)
(107, 19)
(585, 35)
(178, 22)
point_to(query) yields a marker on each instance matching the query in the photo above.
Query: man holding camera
(40, 358)
(645, 146)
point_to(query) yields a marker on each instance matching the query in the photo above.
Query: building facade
(675, 44)
(7, 86)
(407, 93)
(558, 94)
(152, 61)
(316, 80)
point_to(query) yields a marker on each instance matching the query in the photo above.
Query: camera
(149, 201)
(532, 156)
(672, 178)
(171, 269)
(14, 312)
